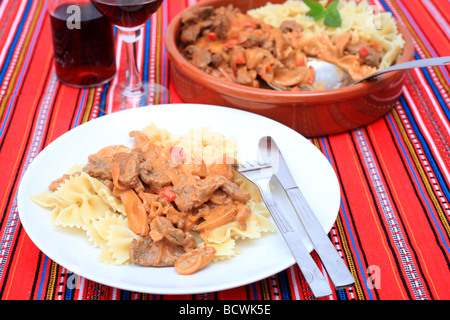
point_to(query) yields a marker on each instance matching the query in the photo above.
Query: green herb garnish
(330, 13)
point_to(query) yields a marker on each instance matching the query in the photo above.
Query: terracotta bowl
(312, 114)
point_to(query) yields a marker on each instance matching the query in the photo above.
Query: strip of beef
(368, 53)
(149, 253)
(220, 197)
(194, 192)
(222, 21)
(235, 192)
(290, 26)
(217, 59)
(156, 180)
(164, 245)
(205, 19)
(191, 33)
(154, 164)
(193, 22)
(125, 169)
(197, 14)
(99, 164)
(161, 228)
(255, 38)
(198, 56)
(99, 167)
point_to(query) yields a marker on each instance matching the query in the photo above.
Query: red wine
(84, 56)
(127, 13)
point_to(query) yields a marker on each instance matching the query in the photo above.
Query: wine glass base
(149, 94)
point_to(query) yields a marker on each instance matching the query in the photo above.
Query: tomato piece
(231, 43)
(177, 154)
(312, 75)
(212, 36)
(363, 52)
(168, 194)
(240, 58)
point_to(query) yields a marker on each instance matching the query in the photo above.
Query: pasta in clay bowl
(234, 53)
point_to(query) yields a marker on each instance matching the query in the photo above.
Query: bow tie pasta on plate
(165, 201)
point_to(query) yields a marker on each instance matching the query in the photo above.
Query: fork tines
(253, 165)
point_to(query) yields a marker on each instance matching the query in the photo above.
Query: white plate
(260, 258)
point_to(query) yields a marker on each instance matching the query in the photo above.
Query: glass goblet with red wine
(84, 53)
(129, 16)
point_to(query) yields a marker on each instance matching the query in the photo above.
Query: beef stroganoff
(271, 44)
(166, 201)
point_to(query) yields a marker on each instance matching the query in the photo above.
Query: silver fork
(262, 175)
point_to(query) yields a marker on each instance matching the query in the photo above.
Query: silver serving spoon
(330, 76)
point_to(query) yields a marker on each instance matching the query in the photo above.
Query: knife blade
(318, 283)
(332, 261)
(290, 227)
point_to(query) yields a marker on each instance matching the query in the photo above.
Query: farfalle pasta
(134, 203)
(224, 250)
(79, 201)
(361, 19)
(256, 224)
(223, 238)
(111, 233)
(99, 229)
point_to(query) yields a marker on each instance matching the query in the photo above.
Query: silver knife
(332, 261)
(290, 227)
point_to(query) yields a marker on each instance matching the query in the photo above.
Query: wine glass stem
(133, 84)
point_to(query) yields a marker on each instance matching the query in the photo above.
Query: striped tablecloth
(394, 175)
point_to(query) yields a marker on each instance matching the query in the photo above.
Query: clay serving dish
(316, 113)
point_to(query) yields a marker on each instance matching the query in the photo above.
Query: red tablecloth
(394, 175)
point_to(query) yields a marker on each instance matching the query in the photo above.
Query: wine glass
(129, 16)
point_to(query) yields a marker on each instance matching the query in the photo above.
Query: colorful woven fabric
(393, 228)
